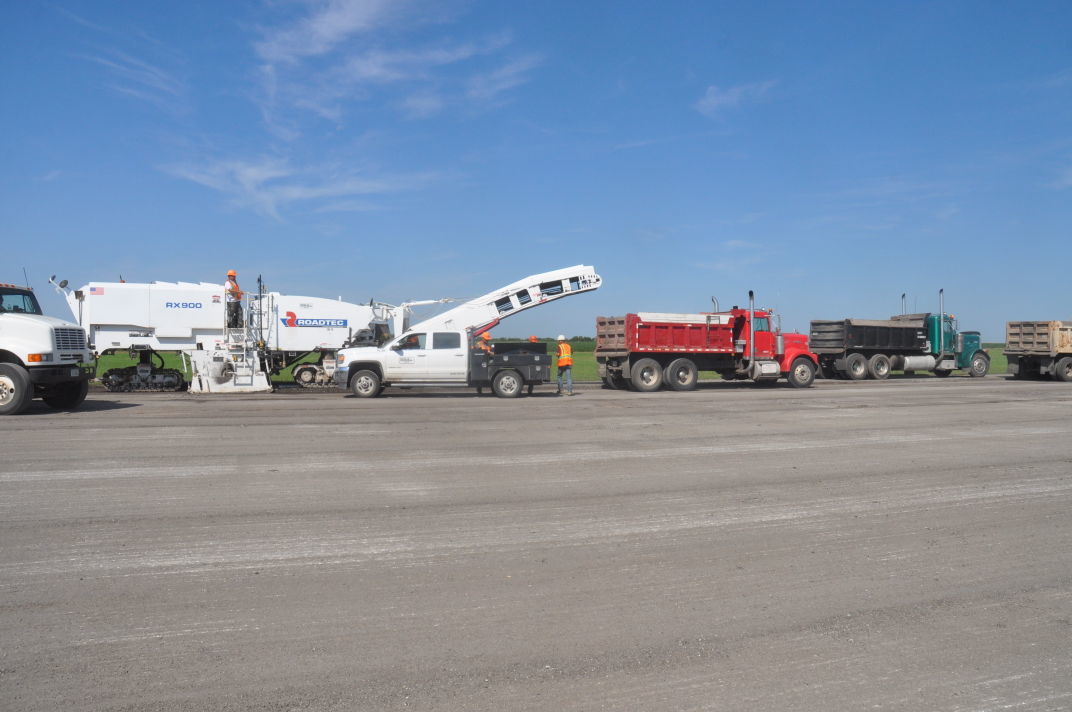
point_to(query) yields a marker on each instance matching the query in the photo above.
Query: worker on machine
(565, 365)
(234, 301)
(483, 343)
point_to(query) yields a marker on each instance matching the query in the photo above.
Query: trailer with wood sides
(1036, 349)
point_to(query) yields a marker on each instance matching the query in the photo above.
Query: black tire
(942, 372)
(647, 375)
(1062, 370)
(365, 384)
(16, 391)
(507, 384)
(802, 373)
(66, 396)
(979, 366)
(856, 367)
(305, 376)
(878, 367)
(681, 375)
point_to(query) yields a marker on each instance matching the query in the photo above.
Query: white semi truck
(40, 356)
(146, 319)
(440, 351)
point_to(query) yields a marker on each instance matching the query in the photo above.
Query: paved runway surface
(904, 545)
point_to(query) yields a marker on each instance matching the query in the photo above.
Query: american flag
(96, 290)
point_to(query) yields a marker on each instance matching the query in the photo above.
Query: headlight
(340, 359)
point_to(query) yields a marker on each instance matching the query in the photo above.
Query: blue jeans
(568, 370)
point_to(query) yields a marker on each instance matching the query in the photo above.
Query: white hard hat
(561, 337)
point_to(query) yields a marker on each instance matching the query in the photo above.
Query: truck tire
(681, 375)
(615, 382)
(942, 372)
(16, 391)
(365, 384)
(66, 396)
(878, 367)
(802, 373)
(856, 367)
(1062, 370)
(979, 366)
(305, 376)
(647, 375)
(507, 384)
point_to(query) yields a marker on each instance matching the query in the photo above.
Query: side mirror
(397, 346)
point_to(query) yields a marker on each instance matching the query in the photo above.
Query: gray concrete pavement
(893, 546)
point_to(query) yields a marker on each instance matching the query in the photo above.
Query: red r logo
(292, 319)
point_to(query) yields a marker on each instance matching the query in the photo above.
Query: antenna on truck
(903, 295)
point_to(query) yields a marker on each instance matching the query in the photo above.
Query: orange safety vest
(234, 294)
(565, 355)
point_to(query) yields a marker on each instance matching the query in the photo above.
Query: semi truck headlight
(38, 358)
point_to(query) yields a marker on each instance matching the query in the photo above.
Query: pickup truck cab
(40, 356)
(442, 358)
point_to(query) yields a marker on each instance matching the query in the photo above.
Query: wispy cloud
(270, 184)
(330, 24)
(730, 264)
(336, 54)
(488, 86)
(715, 99)
(131, 76)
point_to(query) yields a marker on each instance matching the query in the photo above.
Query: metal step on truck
(441, 351)
(40, 356)
(646, 351)
(857, 349)
(1037, 349)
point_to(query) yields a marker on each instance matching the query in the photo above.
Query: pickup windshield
(18, 301)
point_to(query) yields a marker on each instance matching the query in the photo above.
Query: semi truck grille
(70, 339)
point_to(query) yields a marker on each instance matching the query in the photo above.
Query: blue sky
(829, 156)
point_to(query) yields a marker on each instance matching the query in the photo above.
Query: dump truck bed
(1038, 338)
(663, 332)
(892, 335)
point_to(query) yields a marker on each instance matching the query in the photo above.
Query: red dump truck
(648, 350)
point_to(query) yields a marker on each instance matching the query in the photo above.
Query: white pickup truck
(440, 351)
(40, 356)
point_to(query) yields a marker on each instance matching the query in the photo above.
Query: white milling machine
(189, 318)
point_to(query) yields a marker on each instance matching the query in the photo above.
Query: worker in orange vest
(483, 343)
(565, 365)
(234, 301)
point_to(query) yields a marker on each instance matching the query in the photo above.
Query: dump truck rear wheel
(878, 367)
(647, 375)
(681, 375)
(1062, 370)
(856, 367)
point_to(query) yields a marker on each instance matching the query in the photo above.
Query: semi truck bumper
(49, 375)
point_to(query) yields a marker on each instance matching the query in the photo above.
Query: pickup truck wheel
(980, 366)
(681, 375)
(507, 384)
(801, 373)
(647, 375)
(878, 367)
(16, 392)
(66, 396)
(365, 384)
(1062, 370)
(856, 367)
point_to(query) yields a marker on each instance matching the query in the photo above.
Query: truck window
(18, 302)
(413, 342)
(762, 323)
(446, 340)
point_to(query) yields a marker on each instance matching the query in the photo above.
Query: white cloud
(135, 77)
(269, 184)
(715, 99)
(330, 24)
(486, 87)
